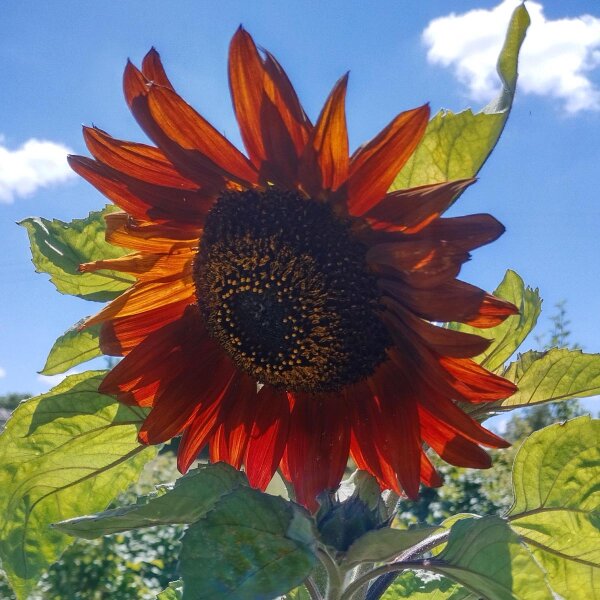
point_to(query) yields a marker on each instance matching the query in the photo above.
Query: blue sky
(61, 65)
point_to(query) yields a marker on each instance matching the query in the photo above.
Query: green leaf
(556, 478)
(58, 248)
(69, 451)
(191, 497)
(559, 374)
(426, 586)
(74, 347)
(250, 546)
(173, 592)
(456, 145)
(488, 558)
(509, 335)
(385, 544)
(299, 593)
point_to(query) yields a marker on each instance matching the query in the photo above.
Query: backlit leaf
(74, 347)
(456, 145)
(250, 546)
(488, 558)
(556, 478)
(173, 592)
(510, 334)
(422, 585)
(64, 453)
(385, 544)
(58, 248)
(191, 497)
(559, 374)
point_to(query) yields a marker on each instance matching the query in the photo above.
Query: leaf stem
(334, 575)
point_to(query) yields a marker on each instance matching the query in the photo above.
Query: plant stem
(313, 590)
(334, 576)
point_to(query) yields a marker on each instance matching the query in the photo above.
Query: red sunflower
(284, 301)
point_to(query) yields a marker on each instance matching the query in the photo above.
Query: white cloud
(2, 373)
(36, 164)
(556, 59)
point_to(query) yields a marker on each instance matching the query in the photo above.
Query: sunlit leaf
(74, 347)
(173, 592)
(385, 544)
(64, 453)
(426, 586)
(58, 248)
(559, 374)
(456, 145)
(556, 478)
(251, 545)
(299, 593)
(191, 497)
(509, 335)
(488, 558)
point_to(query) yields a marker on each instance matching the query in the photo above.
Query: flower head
(284, 307)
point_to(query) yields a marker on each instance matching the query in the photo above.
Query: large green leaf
(455, 146)
(509, 335)
(74, 347)
(559, 374)
(556, 478)
(187, 501)
(488, 558)
(251, 546)
(64, 453)
(58, 248)
(385, 544)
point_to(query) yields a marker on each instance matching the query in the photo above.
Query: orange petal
(119, 336)
(326, 158)
(145, 296)
(123, 230)
(318, 445)
(147, 267)
(268, 437)
(374, 166)
(273, 126)
(475, 383)
(144, 200)
(422, 264)
(190, 131)
(446, 342)
(140, 161)
(153, 69)
(450, 301)
(412, 209)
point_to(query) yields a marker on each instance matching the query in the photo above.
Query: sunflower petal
(153, 70)
(411, 210)
(325, 161)
(318, 445)
(268, 437)
(374, 165)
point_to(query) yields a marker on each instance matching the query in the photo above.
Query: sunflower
(285, 305)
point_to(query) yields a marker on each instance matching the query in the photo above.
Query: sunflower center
(285, 290)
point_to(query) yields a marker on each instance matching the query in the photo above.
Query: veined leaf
(488, 558)
(559, 374)
(191, 497)
(556, 478)
(509, 335)
(456, 145)
(251, 545)
(385, 544)
(58, 248)
(422, 585)
(74, 347)
(64, 453)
